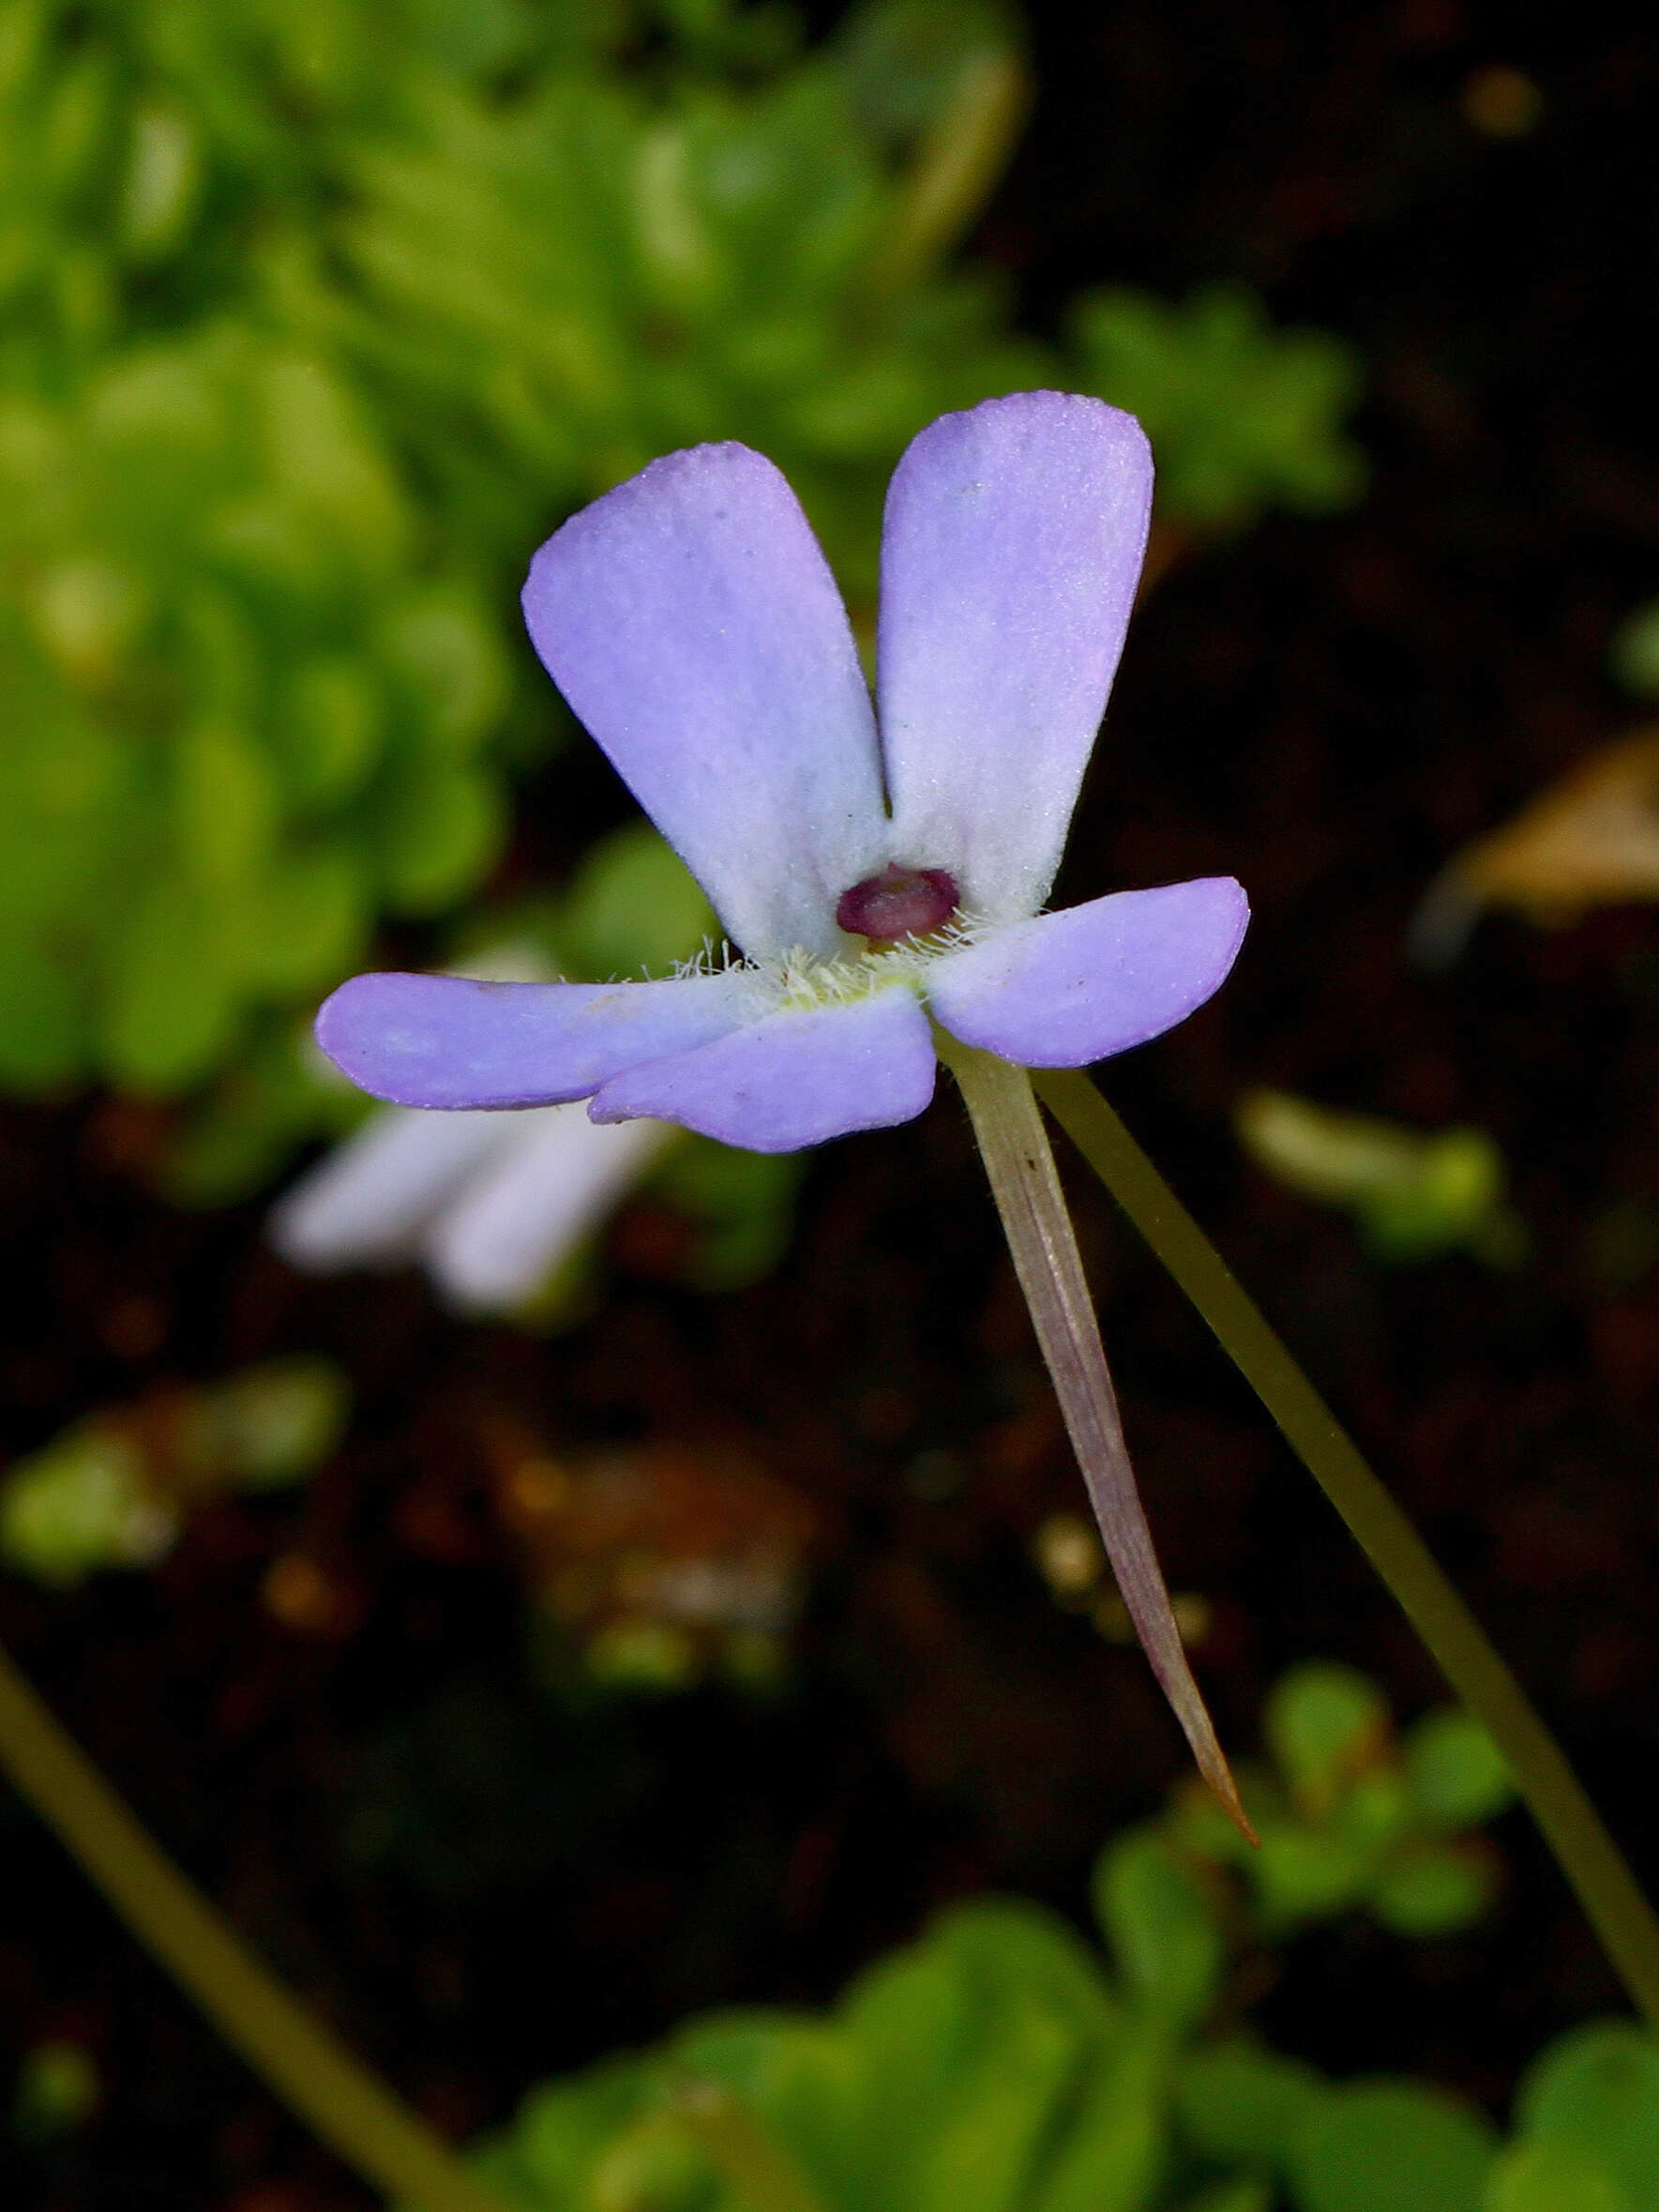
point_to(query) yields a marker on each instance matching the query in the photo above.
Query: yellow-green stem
(1588, 1855)
(301, 2060)
(762, 2173)
(1014, 1145)
(954, 171)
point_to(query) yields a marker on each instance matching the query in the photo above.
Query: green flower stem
(762, 2173)
(1015, 1146)
(1588, 1855)
(306, 2065)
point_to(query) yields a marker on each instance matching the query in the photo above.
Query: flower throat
(898, 903)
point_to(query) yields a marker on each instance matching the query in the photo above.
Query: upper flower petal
(1010, 551)
(793, 1078)
(446, 1040)
(552, 1186)
(1064, 989)
(693, 625)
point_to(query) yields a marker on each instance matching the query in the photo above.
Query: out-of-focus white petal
(365, 1204)
(552, 1184)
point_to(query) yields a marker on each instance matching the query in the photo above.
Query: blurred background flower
(494, 1205)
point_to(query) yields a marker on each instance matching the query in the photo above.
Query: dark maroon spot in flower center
(898, 902)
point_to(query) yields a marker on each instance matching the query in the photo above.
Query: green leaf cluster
(1414, 1195)
(247, 716)
(114, 1490)
(1241, 416)
(318, 314)
(1587, 2118)
(1000, 2064)
(247, 675)
(613, 268)
(1356, 1816)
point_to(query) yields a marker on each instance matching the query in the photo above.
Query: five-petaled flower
(873, 867)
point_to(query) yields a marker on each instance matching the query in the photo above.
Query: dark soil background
(1327, 710)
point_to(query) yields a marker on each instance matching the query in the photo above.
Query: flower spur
(881, 868)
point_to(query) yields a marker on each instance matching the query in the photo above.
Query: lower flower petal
(1064, 989)
(448, 1041)
(792, 1078)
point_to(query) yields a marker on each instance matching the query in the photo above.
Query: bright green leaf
(1378, 2146)
(438, 830)
(331, 727)
(79, 1505)
(224, 806)
(306, 920)
(968, 2042)
(1325, 1724)
(653, 2167)
(984, 2154)
(1552, 2177)
(801, 2079)
(1308, 1873)
(1244, 2106)
(633, 907)
(1159, 1925)
(45, 1017)
(271, 1425)
(164, 181)
(1597, 2089)
(1431, 1889)
(1110, 2158)
(173, 1005)
(564, 2127)
(1456, 1775)
(444, 656)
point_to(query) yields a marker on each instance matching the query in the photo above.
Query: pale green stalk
(954, 171)
(762, 2173)
(1015, 1147)
(302, 2060)
(1587, 1853)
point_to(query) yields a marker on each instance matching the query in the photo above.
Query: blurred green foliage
(1412, 1196)
(1354, 1815)
(1635, 653)
(318, 316)
(57, 2091)
(740, 1207)
(114, 1489)
(1241, 416)
(1000, 2065)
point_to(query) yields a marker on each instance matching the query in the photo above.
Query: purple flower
(874, 867)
